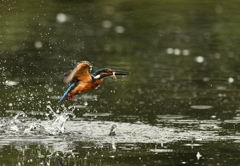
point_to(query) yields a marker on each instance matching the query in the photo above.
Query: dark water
(179, 106)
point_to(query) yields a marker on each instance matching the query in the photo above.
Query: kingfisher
(81, 81)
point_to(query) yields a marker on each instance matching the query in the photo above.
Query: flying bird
(81, 81)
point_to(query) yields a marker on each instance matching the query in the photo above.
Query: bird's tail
(72, 86)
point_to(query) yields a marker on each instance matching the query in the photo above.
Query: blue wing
(71, 87)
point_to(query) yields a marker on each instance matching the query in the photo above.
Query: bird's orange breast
(84, 87)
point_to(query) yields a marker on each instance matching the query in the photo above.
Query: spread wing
(79, 73)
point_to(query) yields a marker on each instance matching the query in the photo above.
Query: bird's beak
(120, 72)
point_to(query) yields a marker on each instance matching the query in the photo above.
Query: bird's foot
(70, 97)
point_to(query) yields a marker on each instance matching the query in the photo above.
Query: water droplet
(11, 83)
(177, 51)
(85, 103)
(206, 79)
(119, 29)
(170, 50)
(107, 24)
(230, 80)
(185, 52)
(38, 44)
(50, 89)
(199, 59)
(213, 116)
(61, 17)
(198, 155)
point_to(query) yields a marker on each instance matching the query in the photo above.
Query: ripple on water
(13, 111)
(171, 116)
(104, 114)
(161, 150)
(235, 121)
(132, 118)
(86, 147)
(129, 147)
(77, 106)
(236, 118)
(94, 131)
(201, 107)
(187, 121)
(193, 145)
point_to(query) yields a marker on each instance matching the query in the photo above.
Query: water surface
(180, 105)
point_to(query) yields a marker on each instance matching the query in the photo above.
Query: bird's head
(105, 72)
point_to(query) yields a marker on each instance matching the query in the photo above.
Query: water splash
(22, 125)
(57, 125)
(12, 125)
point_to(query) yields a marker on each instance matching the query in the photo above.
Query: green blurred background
(180, 53)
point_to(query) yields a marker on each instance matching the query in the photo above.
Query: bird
(82, 81)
